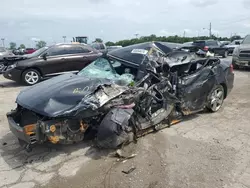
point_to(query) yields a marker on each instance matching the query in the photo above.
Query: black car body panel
(65, 108)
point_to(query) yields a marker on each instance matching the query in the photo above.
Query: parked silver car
(4, 52)
(241, 54)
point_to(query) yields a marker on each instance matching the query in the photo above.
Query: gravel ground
(205, 150)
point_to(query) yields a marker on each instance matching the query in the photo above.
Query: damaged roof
(136, 53)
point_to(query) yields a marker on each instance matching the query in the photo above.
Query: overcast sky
(22, 21)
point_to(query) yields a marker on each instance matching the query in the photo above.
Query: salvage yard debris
(129, 171)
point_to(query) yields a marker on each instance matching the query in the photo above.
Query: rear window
(211, 43)
(199, 43)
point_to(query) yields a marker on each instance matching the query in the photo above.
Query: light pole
(64, 39)
(210, 29)
(3, 41)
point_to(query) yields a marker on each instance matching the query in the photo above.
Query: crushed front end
(31, 128)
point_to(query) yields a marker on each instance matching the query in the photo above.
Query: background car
(30, 50)
(212, 46)
(241, 54)
(101, 47)
(4, 53)
(233, 45)
(51, 61)
(225, 42)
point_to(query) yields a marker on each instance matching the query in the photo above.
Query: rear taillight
(205, 48)
(231, 68)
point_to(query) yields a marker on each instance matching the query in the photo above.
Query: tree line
(174, 39)
(127, 42)
(39, 44)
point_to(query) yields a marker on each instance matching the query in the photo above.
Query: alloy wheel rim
(1, 66)
(31, 77)
(217, 99)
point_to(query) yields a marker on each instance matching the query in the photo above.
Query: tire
(31, 77)
(216, 98)
(225, 54)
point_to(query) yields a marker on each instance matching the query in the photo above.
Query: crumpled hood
(62, 95)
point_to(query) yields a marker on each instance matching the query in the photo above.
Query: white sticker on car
(139, 51)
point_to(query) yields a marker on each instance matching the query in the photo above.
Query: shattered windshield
(101, 68)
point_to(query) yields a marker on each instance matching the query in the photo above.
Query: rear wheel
(31, 77)
(216, 98)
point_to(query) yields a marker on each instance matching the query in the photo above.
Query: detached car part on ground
(128, 93)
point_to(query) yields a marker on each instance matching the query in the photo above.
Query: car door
(79, 56)
(54, 60)
(195, 88)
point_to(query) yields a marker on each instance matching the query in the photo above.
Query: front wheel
(216, 98)
(31, 77)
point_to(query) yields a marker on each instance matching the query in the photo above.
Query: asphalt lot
(206, 150)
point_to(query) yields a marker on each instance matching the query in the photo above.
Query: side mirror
(44, 56)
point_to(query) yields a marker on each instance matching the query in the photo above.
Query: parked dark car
(121, 96)
(241, 54)
(212, 46)
(50, 61)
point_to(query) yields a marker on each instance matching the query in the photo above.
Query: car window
(54, 51)
(76, 50)
(211, 43)
(199, 43)
(96, 46)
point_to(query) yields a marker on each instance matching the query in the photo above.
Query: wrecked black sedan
(119, 97)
